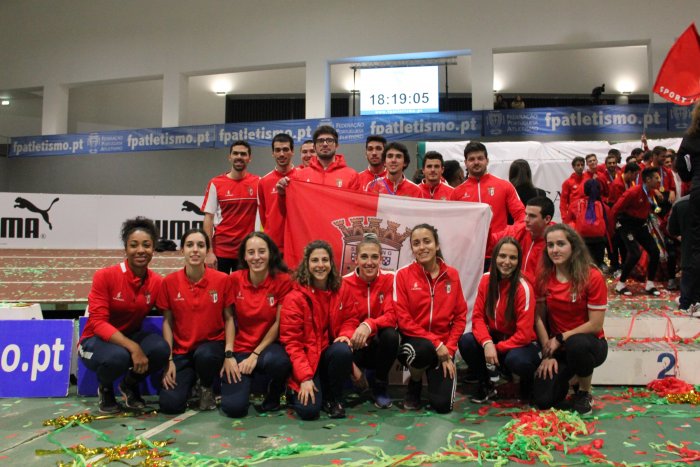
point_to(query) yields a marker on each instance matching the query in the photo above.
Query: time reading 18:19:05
(402, 98)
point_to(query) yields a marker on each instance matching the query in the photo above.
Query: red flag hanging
(679, 77)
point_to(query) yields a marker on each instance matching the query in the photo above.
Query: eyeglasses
(328, 141)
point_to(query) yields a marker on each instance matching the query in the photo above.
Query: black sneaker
(108, 403)
(412, 399)
(485, 393)
(583, 402)
(132, 395)
(334, 409)
(270, 403)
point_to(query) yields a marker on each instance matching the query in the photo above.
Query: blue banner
(555, 121)
(145, 139)
(35, 357)
(355, 130)
(561, 121)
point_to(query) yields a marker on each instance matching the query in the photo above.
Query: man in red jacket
(482, 187)
(572, 188)
(272, 212)
(374, 147)
(631, 212)
(328, 168)
(395, 158)
(433, 186)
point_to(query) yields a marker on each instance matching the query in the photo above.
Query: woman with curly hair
(571, 304)
(317, 323)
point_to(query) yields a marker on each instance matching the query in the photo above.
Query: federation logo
(496, 122)
(389, 237)
(93, 143)
(681, 117)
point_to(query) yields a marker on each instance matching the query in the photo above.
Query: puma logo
(22, 203)
(191, 207)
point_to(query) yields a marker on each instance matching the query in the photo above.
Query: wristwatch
(228, 354)
(560, 338)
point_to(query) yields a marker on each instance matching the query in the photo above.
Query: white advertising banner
(40, 220)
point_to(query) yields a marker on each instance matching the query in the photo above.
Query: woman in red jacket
(571, 301)
(432, 314)
(112, 343)
(376, 340)
(197, 320)
(503, 321)
(317, 321)
(258, 289)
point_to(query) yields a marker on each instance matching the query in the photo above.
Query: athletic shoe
(672, 285)
(412, 399)
(485, 393)
(270, 404)
(617, 274)
(206, 399)
(131, 395)
(108, 403)
(694, 310)
(583, 402)
(381, 396)
(334, 409)
(470, 377)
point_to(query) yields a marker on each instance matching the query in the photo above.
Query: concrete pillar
(318, 89)
(54, 112)
(482, 78)
(174, 99)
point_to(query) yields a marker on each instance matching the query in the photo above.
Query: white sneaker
(694, 310)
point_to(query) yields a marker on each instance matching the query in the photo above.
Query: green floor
(631, 431)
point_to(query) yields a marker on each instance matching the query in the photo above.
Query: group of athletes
(236, 313)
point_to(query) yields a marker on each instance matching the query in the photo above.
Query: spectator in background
(572, 188)
(589, 217)
(518, 103)
(500, 104)
(453, 173)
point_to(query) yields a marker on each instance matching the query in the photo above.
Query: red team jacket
(118, 301)
(434, 310)
(571, 190)
(404, 188)
(255, 308)
(496, 192)
(238, 202)
(338, 174)
(367, 176)
(198, 309)
(374, 300)
(633, 203)
(441, 191)
(521, 331)
(309, 322)
(273, 213)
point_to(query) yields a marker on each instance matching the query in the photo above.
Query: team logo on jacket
(338, 183)
(448, 287)
(491, 190)
(416, 286)
(250, 191)
(214, 296)
(390, 238)
(271, 299)
(381, 297)
(147, 295)
(179, 298)
(239, 296)
(118, 297)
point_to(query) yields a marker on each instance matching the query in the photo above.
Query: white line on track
(152, 432)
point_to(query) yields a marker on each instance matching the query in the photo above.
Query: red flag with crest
(679, 77)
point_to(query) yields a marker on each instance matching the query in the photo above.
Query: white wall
(76, 42)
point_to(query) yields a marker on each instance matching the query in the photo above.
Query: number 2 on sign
(669, 366)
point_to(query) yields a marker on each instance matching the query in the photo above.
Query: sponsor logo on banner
(389, 237)
(25, 227)
(35, 357)
(497, 122)
(174, 229)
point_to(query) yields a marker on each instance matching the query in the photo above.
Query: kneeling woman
(258, 289)
(195, 301)
(376, 340)
(503, 321)
(112, 343)
(571, 304)
(432, 314)
(317, 322)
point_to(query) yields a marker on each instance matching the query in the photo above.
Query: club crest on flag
(389, 237)
(214, 296)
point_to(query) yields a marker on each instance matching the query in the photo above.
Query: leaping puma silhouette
(191, 207)
(28, 205)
